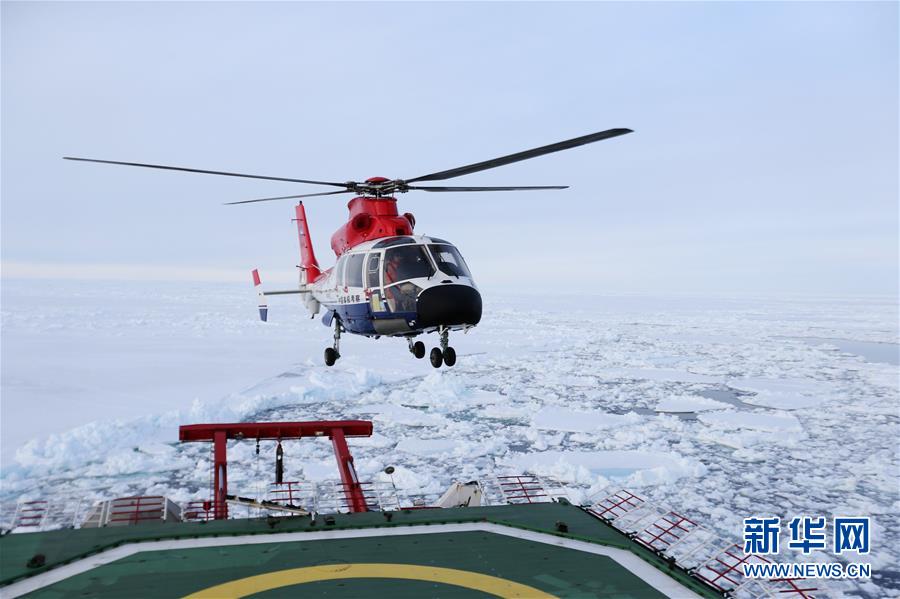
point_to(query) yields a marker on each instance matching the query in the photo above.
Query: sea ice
(561, 419)
(731, 420)
(97, 377)
(689, 403)
(786, 394)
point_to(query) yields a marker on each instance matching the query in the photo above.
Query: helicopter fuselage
(399, 286)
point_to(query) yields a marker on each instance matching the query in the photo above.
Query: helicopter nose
(449, 305)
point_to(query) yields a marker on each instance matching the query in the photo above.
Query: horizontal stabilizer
(261, 295)
(286, 292)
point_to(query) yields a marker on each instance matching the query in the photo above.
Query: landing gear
(449, 352)
(333, 353)
(449, 356)
(436, 357)
(417, 349)
(331, 356)
(443, 354)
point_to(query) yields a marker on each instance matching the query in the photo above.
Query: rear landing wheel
(449, 356)
(436, 357)
(419, 349)
(331, 356)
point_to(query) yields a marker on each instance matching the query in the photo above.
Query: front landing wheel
(331, 356)
(419, 349)
(449, 356)
(436, 357)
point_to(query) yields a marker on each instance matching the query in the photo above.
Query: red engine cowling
(371, 218)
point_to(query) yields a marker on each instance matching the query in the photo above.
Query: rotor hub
(378, 187)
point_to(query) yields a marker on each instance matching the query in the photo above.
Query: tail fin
(308, 263)
(263, 305)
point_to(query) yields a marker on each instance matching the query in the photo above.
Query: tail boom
(304, 290)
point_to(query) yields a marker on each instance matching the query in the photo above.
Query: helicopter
(388, 281)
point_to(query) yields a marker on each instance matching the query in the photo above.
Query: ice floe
(689, 403)
(561, 419)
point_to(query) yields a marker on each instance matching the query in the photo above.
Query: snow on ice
(722, 409)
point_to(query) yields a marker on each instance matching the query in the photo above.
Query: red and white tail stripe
(263, 306)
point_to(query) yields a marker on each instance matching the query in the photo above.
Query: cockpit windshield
(406, 262)
(449, 260)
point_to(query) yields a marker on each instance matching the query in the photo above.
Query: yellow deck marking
(282, 578)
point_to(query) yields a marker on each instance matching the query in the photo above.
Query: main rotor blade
(197, 170)
(304, 195)
(495, 162)
(507, 188)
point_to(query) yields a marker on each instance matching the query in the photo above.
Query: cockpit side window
(353, 275)
(373, 270)
(406, 262)
(339, 270)
(449, 260)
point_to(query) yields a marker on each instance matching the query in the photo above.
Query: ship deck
(549, 549)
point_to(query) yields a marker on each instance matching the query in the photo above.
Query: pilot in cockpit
(392, 268)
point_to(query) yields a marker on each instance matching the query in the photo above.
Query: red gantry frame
(336, 430)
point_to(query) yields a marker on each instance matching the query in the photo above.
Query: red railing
(30, 513)
(522, 489)
(349, 492)
(794, 588)
(136, 509)
(617, 504)
(291, 493)
(723, 570)
(198, 511)
(725, 573)
(693, 546)
(664, 532)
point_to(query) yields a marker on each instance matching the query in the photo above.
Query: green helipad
(509, 551)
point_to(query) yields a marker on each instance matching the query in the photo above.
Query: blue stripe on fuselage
(356, 318)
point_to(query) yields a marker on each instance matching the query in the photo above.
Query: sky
(764, 158)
